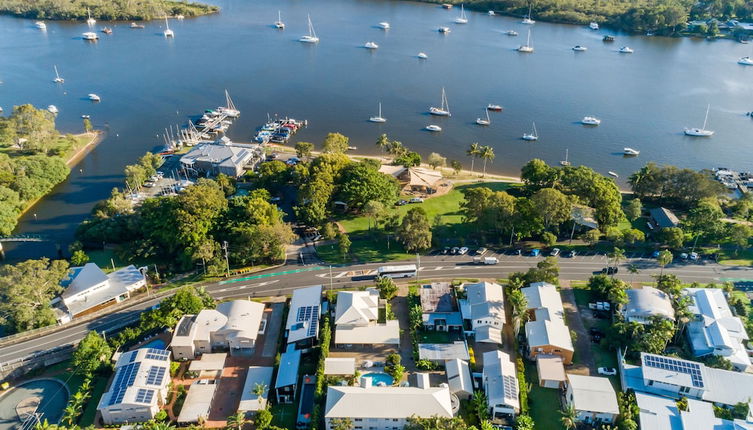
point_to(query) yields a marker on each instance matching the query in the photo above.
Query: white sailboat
(40, 25)
(528, 20)
(482, 121)
(433, 127)
(58, 79)
(565, 162)
(370, 45)
(441, 111)
(531, 136)
(527, 48)
(379, 118)
(93, 97)
(168, 32)
(90, 21)
(701, 132)
(384, 25)
(52, 109)
(745, 61)
(590, 120)
(422, 56)
(311, 37)
(90, 35)
(462, 19)
(279, 24)
(229, 108)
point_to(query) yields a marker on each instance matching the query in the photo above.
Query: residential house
(663, 218)
(286, 383)
(645, 303)
(551, 371)
(384, 408)
(484, 309)
(356, 316)
(459, 378)
(592, 397)
(440, 308)
(138, 388)
(501, 386)
(250, 400)
(198, 401)
(87, 287)
(302, 327)
(662, 413)
(714, 329)
(546, 332)
(441, 352)
(340, 366)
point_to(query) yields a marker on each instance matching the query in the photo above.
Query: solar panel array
(156, 375)
(511, 386)
(144, 396)
(157, 354)
(125, 378)
(675, 365)
(133, 356)
(309, 313)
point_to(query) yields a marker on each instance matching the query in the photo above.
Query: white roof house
(459, 378)
(543, 295)
(441, 352)
(546, 331)
(242, 326)
(191, 335)
(138, 387)
(646, 302)
(386, 407)
(303, 318)
(198, 401)
(356, 317)
(484, 306)
(715, 329)
(250, 402)
(662, 413)
(340, 366)
(500, 384)
(592, 397)
(88, 286)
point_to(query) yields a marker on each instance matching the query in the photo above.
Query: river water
(148, 82)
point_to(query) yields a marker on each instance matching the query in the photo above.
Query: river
(147, 83)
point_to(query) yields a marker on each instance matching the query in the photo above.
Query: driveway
(584, 359)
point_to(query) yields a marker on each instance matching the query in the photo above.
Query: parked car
(416, 200)
(694, 256)
(571, 254)
(445, 250)
(607, 371)
(610, 270)
(684, 255)
(481, 251)
(535, 252)
(454, 250)
(401, 203)
(517, 252)
(555, 252)
(463, 250)
(655, 254)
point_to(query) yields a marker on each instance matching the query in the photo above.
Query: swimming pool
(156, 344)
(377, 377)
(47, 396)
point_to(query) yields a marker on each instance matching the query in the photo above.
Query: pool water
(156, 344)
(51, 395)
(377, 377)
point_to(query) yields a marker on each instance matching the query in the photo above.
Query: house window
(358, 420)
(684, 389)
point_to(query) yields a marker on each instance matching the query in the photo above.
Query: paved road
(284, 280)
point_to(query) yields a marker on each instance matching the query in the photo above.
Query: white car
(608, 371)
(463, 250)
(694, 256)
(416, 200)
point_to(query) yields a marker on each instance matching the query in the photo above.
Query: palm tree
(633, 269)
(487, 154)
(519, 305)
(383, 142)
(617, 255)
(237, 421)
(569, 418)
(473, 151)
(664, 258)
(70, 414)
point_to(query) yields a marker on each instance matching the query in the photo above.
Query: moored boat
(630, 151)
(433, 127)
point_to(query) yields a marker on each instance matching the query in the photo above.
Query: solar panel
(511, 386)
(675, 365)
(144, 396)
(156, 375)
(133, 356)
(314, 326)
(126, 376)
(157, 354)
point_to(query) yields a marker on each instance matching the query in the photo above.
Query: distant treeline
(103, 9)
(665, 17)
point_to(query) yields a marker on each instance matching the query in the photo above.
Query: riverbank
(112, 10)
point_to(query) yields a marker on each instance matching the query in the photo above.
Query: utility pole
(330, 278)
(227, 262)
(418, 267)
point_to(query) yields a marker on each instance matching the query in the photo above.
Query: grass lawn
(544, 402)
(90, 411)
(728, 257)
(284, 415)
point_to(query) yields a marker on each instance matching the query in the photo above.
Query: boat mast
(380, 109)
(707, 116)
(535, 133)
(311, 28)
(528, 40)
(228, 101)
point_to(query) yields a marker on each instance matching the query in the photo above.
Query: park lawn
(544, 403)
(364, 249)
(728, 257)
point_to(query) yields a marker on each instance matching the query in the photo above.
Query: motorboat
(444, 110)
(447, 6)
(107, 30)
(168, 32)
(491, 13)
(311, 37)
(531, 136)
(90, 21)
(494, 108)
(58, 79)
(511, 33)
(484, 121)
(379, 118)
(134, 25)
(566, 161)
(433, 127)
(40, 25)
(279, 24)
(593, 26)
(462, 19)
(384, 25)
(700, 132)
(422, 55)
(626, 50)
(745, 61)
(590, 120)
(85, 116)
(371, 45)
(630, 151)
(579, 48)
(613, 174)
(527, 48)
(180, 17)
(444, 30)
(90, 35)
(527, 20)
(52, 109)
(608, 38)
(93, 97)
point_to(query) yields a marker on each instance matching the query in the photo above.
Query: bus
(405, 271)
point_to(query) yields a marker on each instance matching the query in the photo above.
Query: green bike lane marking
(269, 275)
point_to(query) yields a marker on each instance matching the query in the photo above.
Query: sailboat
(487, 121)
(58, 79)
(700, 132)
(311, 37)
(527, 20)
(91, 21)
(462, 19)
(531, 136)
(441, 111)
(229, 108)
(379, 117)
(565, 162)
(279, 24)
(168, 32)
(527, 48)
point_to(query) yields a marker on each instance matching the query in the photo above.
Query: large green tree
(415, 231)
(91, 354)
(26, 289)
(361, 183)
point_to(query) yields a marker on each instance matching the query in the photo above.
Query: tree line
(111, 10)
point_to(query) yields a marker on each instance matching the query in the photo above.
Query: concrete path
(584, 358)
